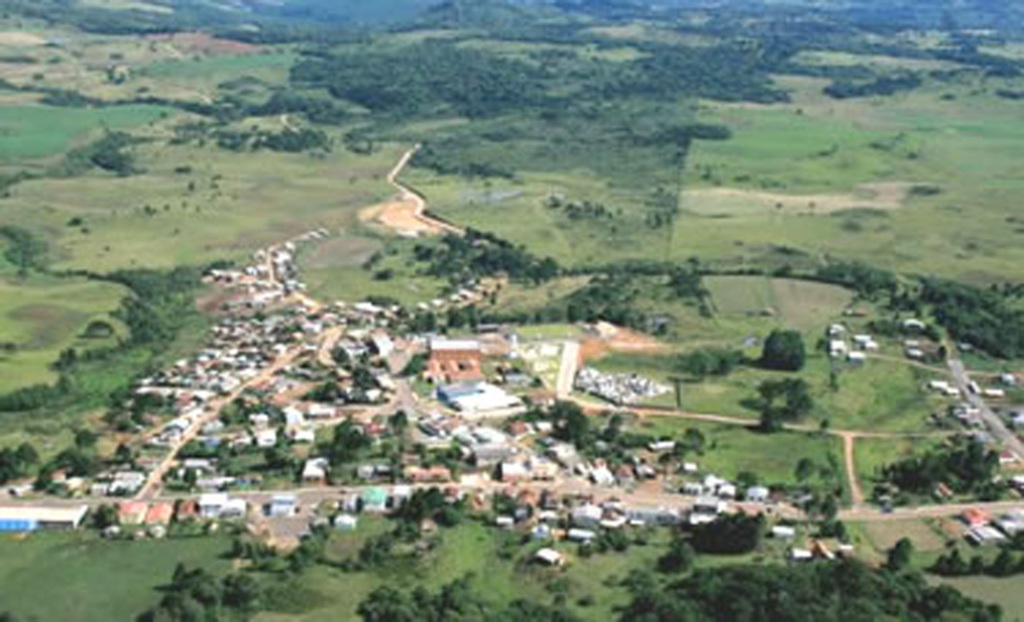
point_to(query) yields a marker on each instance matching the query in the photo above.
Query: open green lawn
(28, 132)
(42, 317)
(77, 576)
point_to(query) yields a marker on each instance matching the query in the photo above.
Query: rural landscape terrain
(511, 310)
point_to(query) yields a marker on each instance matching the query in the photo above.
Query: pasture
(197, 204)
(45, 316)
(30, 132)
(78, 576)
(801, 305)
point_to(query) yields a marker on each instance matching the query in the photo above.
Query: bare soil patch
(21, 39)
(200, 43)
(879, 195)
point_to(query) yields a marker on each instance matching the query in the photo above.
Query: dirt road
(406, 213)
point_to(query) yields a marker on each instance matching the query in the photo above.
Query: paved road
(567, 370)
(992, 420)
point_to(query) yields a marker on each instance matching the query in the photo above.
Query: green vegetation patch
(77, 576)
(37, 131)
(40, 318)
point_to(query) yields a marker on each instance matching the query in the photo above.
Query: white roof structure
(551, 557)
(451, 345)
(71, 516)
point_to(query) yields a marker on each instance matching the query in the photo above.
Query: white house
(549, 557)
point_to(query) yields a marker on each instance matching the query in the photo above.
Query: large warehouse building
(18, 518)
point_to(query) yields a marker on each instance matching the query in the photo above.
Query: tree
(104, 516)
(804, 469)
(399, 422)
(783, 401)
(784, 351)
(679, 557)
(729, 535)
(242, 592)
(899, 555)
(571, 424)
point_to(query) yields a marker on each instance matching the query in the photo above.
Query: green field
(872, 454)
(225, 208)
(1007, 593)
(28, 132)
(45, 316)
(881, 395)
(80, 577)
(801, 305)
(731, 450)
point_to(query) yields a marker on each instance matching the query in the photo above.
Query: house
(783, 532)
(601, 476)
(981, 536)
(211, 505)
(583, 536)
(160, 513)
(293, 417)
(454, 360)
(283, 506)
(914, 325)
(514, 472)
(974, 517)
(382, 344)
(1011, 523)
(315, 471)
(304, 436)
(345, 522)
(259, 420)
(505, 522)
(757, 494)
(420, 475)
(132, 512)
(374, 500)
(587, 516)
(796, 555)
(549, 557)
(266, 439)
(321, 411)
(856, 358)
(660, 446)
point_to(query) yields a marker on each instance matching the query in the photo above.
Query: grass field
(45, 316)
(225, 208)
(1007, 593)
(872, 454)
(802, 305)
(731, 450)
(880, 395)
(77, 576)
(28, 132)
